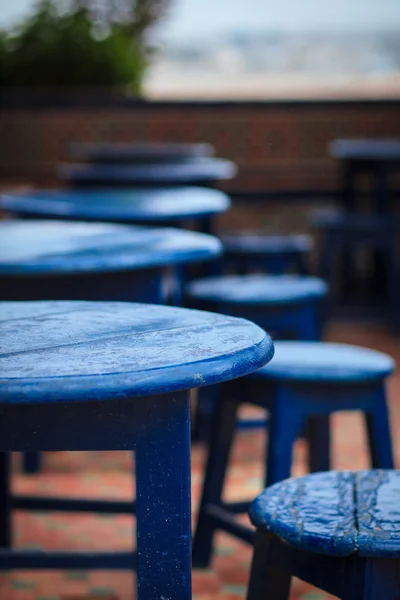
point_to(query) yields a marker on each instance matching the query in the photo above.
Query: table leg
(5, 504)
(347, 258)
(163, 500)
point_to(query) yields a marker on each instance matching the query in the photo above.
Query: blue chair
(275, 254)
(339, 531)
(304, 384)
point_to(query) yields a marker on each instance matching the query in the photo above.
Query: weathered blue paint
(339, 531)
(258, 290)
(315, 512)
(104, 350)
(328, 362)
(199, 171)
(297, 399)
(120, 205)
(377, 510)
(95, 376)
(58, 247)
(274, 254)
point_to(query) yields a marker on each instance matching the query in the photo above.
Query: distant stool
(284, 305)
(339, 531)
(303, 385)
(343, 234)
(275, 254)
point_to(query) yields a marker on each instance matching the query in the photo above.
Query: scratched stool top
(325, 361)
(258, 289)
(258, 243)
(45, 247)
(60, 351)
(201, 169)
(334, 513)
(130, 206)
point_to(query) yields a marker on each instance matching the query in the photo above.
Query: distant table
(93, 261)
(201, 171)
(115, 376)
(139, 152)
(379, 157)
(174, 206)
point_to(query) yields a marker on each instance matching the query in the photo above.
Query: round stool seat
(326, 362)
(334, 513)
(258, 289)
(262, 244)
(62, 351)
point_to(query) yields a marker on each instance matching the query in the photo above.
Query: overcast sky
(190, 18)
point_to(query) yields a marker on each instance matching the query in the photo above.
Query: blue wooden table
(380, 160)
(139, 152)
(201, 171)
(115, 376)
(157, 206)
(94, 261)
(378, 157)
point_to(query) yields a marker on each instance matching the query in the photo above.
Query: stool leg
(5, 508)
(163, 500)
(309, 323)
(31, 462)
(267, 582)
(319, 439)
(222, 434)
(378, 431)
(301, 265)
(285, 425)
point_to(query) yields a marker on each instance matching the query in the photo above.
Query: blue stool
(304, 382)
(284, 305)
(275, 254)
(342, 234)
(115, 376)
(339, 531)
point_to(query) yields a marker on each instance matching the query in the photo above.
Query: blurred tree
(81, 43)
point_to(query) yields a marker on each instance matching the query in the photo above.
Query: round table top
(258, 289)
(195, 171)
(139, 152)
(54, 247)
(130, 206)
(326, 362)
(334, 513)
(61, 351)
(366, 149)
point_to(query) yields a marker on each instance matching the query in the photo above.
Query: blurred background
(269, 86)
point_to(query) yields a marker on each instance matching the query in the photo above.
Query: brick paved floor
(108, 474)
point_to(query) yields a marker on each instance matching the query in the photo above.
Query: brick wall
(276, 145)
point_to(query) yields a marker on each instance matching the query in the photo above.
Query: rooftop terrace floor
(108, 475)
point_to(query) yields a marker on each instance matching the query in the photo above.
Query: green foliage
(90, 43)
